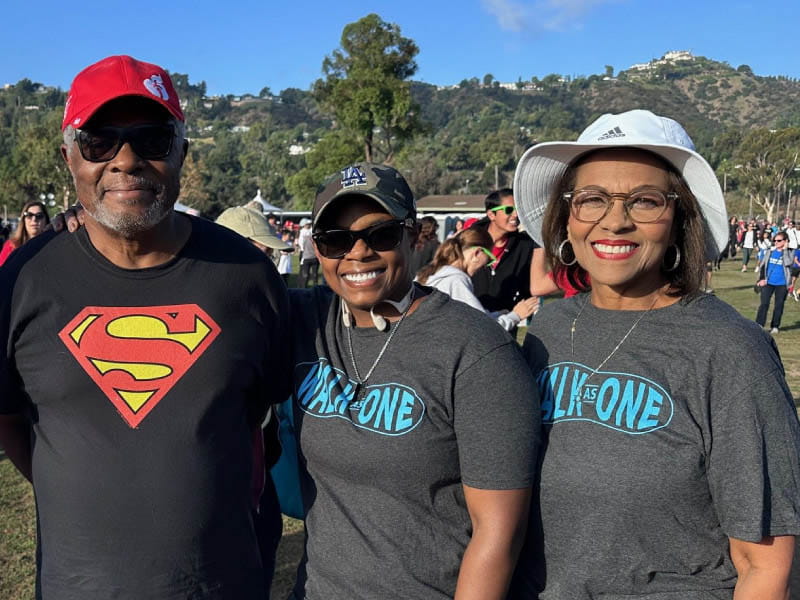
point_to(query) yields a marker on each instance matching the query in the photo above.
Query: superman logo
(136, 355)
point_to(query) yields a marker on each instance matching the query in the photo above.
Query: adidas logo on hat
(611, 133)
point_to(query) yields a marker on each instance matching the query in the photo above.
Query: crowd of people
(621, 452)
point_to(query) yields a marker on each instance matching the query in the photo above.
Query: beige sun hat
(541, 167)
(252, 225)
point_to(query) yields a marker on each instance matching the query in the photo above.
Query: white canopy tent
(266, 207)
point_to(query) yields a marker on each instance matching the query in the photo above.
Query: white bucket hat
(541, 167)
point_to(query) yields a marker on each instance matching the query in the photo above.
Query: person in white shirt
(452, 267)
(748, 243)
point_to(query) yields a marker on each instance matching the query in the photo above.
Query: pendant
(356, 394)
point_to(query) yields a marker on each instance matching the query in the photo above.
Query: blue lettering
(369, 406)
(630, 405)
(611, 384)
(308, 383)
(651, 409)
(387, 408)
(318, 395)
(578, 379)
(404, 411)
(558, 412)
(546, 381)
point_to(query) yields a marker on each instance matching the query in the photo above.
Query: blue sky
(242, 46)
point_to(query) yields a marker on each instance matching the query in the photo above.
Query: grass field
(17, 527)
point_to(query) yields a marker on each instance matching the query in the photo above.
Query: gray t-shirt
(686, 437)
(451, 402)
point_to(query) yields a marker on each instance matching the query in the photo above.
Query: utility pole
(496, 178)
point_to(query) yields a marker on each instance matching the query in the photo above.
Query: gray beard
(129, 226)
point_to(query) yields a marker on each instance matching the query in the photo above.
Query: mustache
(134, 182)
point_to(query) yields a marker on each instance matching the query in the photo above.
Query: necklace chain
(607, 358)
(392, 331)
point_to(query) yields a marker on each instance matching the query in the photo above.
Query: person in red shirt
(32, 221)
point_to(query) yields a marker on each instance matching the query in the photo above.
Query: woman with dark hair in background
(659, 479)
(32, 221)
(456, 260)
(426, 244)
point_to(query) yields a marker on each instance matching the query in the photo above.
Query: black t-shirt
(143, 387)
(509, 281)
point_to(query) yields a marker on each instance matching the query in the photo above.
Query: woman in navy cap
(418, 480)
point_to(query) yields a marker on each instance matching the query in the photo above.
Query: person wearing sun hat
(658, 479)
(252, 225)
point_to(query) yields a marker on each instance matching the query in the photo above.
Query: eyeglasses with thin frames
(641, 206)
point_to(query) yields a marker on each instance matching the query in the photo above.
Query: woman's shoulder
(719, 325)
(455, 323)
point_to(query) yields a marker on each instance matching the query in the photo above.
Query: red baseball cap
(112, 78)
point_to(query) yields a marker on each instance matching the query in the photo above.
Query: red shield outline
(136, 355)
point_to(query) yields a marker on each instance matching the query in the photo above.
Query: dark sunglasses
(36, 216)
(150, 141)
(506, 209)
(381, 237)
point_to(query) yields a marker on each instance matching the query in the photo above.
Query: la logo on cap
(155, 85)
(352, 176)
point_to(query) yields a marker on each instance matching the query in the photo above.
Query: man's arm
(763, 568)
(15, 439)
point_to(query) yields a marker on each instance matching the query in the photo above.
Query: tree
(366, 89)
(488, 79)
(193, 192)
(767, 158)
(36, 165)
(335, 150)
(609, 71)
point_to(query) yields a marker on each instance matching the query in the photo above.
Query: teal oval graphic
(326, 392)
(622, 401)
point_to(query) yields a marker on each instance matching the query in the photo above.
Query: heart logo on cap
(155, 85)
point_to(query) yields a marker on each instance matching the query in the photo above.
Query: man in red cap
(138, 363)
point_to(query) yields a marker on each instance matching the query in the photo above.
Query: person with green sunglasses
(502, 284)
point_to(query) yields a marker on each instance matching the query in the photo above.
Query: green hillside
(472, 132)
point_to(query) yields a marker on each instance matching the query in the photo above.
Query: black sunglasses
(381, 237)
(36, 216)
(150, 141)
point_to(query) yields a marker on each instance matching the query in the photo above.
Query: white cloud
(511, 16)
(549, 15)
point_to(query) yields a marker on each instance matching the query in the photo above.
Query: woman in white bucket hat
(661, 478)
